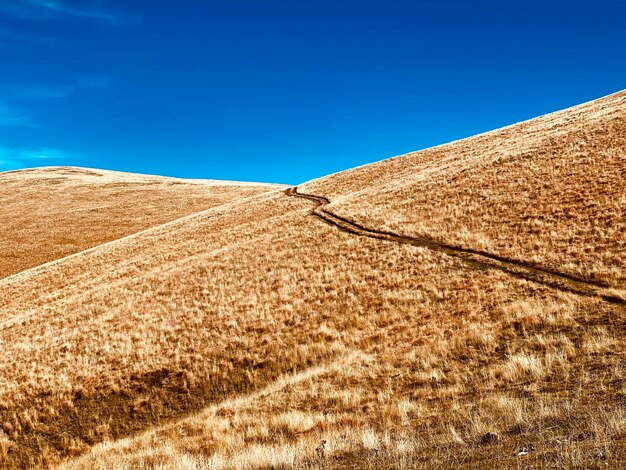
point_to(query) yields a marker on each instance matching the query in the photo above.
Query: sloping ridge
(548, 193)
(474, 258)
(35, 269)
(54, 212)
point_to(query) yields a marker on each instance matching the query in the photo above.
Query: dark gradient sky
(285, 91)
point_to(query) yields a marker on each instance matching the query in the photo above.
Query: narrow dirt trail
(473, 258)
(157, 437)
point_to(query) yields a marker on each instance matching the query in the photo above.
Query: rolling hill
(52, 212)
(461, 307)
(550, 192)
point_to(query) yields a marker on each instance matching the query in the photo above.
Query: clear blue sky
(285, 91)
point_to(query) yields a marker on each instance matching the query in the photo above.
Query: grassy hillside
(255, 334)
(550, 191)
(52, 212)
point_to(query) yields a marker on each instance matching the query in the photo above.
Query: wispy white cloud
(51, 9)
(11, 39)
(12, 159)
(10, 117)
(40, 91)
(30, 92)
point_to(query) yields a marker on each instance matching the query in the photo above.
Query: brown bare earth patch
(48, 213)
(257, 335)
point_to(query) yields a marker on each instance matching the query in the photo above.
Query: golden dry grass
(253, 335)
(51, 212)
(550, 191)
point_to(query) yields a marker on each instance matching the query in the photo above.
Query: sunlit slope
(383, 349)
(256, 335)
(550, 191)
(49, 213)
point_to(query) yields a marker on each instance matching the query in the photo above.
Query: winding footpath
(473, 258)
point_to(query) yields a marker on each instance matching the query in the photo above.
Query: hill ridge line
(78, 171)
(486, 133)
(34, 269)
(475, 258)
